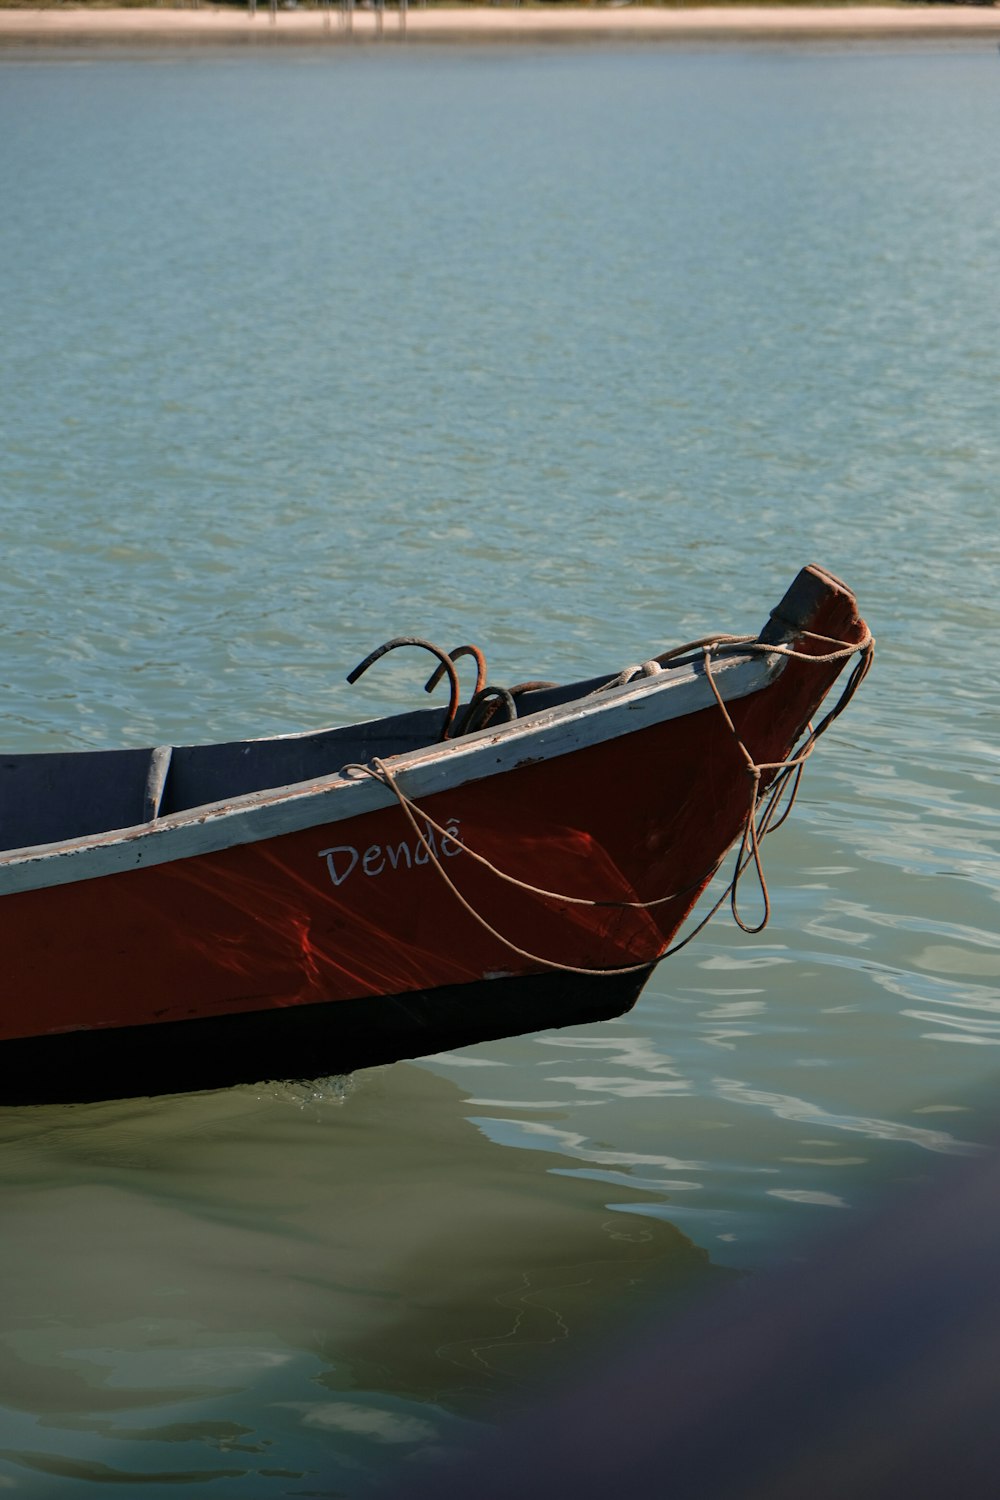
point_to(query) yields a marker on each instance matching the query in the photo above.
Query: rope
(755, 829)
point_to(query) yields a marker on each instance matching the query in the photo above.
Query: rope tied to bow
(765, 813)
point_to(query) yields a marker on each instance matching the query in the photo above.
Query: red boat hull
(350, 916)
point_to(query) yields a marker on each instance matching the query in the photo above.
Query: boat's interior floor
(48, 798)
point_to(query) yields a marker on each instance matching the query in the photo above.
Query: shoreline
(63, 25)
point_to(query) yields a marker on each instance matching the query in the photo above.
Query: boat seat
(156, 781)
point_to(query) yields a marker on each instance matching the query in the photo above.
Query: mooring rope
(755, 828)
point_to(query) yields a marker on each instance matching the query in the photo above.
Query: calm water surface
(577, 353)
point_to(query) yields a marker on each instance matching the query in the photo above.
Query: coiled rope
(764, 813)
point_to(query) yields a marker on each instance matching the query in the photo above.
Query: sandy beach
(67, 25)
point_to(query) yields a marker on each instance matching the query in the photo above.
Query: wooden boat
(188, 917)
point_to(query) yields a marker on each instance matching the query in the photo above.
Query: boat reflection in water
(315, 1280)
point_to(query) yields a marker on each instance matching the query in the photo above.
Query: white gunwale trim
(426, 772)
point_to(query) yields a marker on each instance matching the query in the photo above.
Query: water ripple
(801, 1111)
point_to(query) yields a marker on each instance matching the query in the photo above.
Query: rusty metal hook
(447, 665)
(439, 672)
(483, 709)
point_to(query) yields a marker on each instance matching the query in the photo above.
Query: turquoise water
(577, 353)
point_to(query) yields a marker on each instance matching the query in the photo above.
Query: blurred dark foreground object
(871, 1373)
